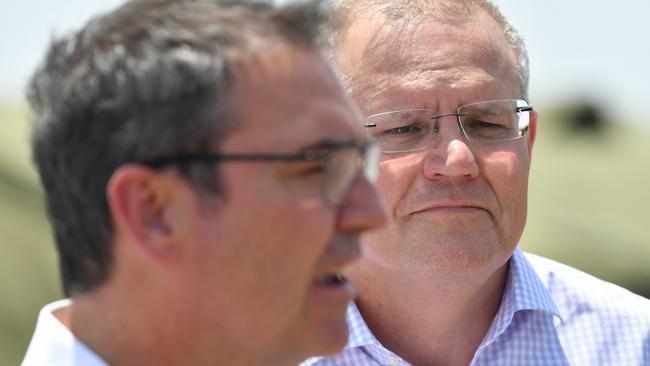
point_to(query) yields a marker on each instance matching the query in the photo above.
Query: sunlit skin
(431, 281)
(232, 279)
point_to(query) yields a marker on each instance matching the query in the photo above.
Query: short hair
(149, 79)
(403, 12)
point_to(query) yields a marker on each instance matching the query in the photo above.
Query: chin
(329, 339)
(457, 258)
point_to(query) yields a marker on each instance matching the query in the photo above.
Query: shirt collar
(524, 291)
(360, 334)
(54, 343)
(360, 337)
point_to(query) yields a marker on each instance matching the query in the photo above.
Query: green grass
(588, 199)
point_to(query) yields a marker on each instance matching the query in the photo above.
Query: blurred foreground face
(264, 264)
(205, 177)
(458, 207)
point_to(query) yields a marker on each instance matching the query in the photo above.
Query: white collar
(54, 344)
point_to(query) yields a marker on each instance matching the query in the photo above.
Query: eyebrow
(484, 109)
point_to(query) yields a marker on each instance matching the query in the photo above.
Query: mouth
(330, 285)
(331, 280)
(452, 208)
(333, 288)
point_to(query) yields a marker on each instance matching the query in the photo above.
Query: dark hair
(149, 79)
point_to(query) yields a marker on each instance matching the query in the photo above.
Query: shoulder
(601, 323)
(578, 293)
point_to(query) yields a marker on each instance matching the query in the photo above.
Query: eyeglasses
(341, 162)
(486, 122)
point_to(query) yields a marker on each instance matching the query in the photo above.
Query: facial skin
(255, 259)
(234, 279)
(458, 208)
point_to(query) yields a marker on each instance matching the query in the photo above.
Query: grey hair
(147, 80)
(402, 12)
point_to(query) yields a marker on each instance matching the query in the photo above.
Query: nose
(362, 208)
(450, 155)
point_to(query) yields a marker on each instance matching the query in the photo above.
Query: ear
(139, 201)
(532, 131)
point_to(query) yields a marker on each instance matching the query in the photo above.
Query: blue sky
(578, 48)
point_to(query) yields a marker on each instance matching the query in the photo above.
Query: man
(443, 86)
(204, 177)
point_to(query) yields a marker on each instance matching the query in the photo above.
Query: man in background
(443, 86)
(207, 181)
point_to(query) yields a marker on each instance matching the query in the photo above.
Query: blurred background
(590, 179)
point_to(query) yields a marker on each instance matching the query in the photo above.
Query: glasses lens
(342, 169)
(501, 120)
(400, 130)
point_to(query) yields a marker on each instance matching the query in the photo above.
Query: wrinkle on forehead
(453, 77)
(402, 87)
(375, 57)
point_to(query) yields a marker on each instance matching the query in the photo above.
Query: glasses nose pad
(370, 162)
(435, 125)
(434, 130)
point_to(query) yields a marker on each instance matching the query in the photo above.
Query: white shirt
(53, 344)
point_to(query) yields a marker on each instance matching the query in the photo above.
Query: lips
(441, 194)
(452, 206)
(334, 291)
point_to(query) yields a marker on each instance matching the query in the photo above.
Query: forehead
(290, 99)
(424, 63)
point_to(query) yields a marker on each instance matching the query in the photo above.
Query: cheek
(264, 256)
(281, 225)
(396, 175)
(288, 238)
(289, 243)
(302, 232)
(507, 174)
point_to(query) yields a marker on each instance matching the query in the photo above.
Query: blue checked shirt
(550, 314)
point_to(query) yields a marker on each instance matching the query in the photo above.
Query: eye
(485, 130)
(485, 125)
(402, 130)
(310, 168)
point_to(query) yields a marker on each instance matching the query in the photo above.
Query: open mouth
(333, 287)
(331, 280)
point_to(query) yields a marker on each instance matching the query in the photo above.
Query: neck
(426, 321)
(132, 332)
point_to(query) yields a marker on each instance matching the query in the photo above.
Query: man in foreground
(443, 86)
(207, 181)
